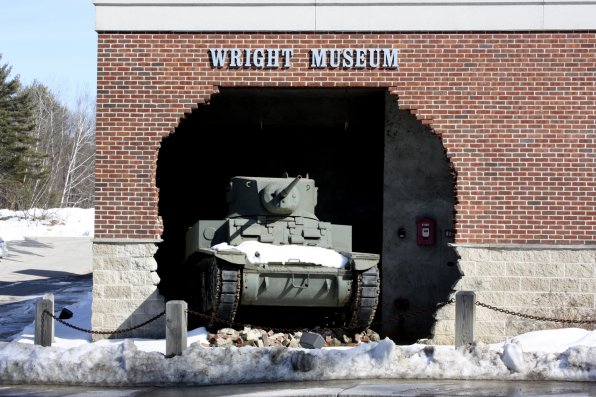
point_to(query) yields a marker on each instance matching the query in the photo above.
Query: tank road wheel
(365, 299)
(219, 293)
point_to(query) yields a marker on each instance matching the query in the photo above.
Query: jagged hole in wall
(337, 136)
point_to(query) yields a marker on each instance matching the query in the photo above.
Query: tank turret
(271, 250)
(252, 196)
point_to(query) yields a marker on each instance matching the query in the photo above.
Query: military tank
(271, 250)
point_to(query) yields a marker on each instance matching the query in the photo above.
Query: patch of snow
(556, 340)
(3, 248)
(261, 253)
(513, 356)
(57, 222)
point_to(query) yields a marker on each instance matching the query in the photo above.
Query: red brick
(523, 101)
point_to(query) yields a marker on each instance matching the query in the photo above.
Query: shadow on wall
(419, 184)
(144, 322)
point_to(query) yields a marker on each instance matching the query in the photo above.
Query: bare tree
(80, 162)
(66, 138)
(52, 133)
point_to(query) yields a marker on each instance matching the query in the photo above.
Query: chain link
(90, 331)
(401, 317)
(531, 317)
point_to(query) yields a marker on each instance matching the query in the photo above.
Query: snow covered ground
(562, 354)
(56, 222)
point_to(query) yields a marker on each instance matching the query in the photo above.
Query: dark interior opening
(334, 135)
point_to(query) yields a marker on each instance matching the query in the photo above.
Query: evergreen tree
(18, 160)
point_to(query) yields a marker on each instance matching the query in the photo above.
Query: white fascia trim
(344, 16)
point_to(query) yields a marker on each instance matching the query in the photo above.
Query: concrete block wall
(125, 288)
(550, 281)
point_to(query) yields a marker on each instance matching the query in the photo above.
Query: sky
(53, 42)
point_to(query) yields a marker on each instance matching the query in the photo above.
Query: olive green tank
(271, 250)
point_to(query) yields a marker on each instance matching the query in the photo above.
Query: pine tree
(18, 160)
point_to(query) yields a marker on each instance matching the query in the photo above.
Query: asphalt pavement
(36, 266)
(42, 258)
(345, 388)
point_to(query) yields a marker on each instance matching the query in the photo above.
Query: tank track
(222, 284)
(220, 292)
(228, 281)
(366, 299)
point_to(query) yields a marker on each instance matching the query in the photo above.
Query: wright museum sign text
(320, 58)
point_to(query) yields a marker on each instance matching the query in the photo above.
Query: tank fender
(361, 261)
(231, 256)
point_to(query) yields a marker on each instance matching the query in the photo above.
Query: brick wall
(516, 113)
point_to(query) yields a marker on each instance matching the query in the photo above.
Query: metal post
(465, 310)
(43, 322)
(176, 323)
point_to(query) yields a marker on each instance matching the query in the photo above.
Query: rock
(259, 337)
(295, 343)
(312, 340)
(265, 338)
(229, 332)
(373, 336)
(253, 335)
(223, 342)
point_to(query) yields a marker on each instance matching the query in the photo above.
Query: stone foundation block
(124, 289)
(545, 281)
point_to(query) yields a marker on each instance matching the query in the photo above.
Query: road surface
(349, 388)
(40, 265)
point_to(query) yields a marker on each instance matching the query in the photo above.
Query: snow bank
(123, 363)
(73, 359)
(57, 222)
(260, 253)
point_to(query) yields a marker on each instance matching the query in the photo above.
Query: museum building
(475, 121)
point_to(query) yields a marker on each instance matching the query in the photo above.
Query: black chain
(401, 317)
(118, 331)
(531, 317)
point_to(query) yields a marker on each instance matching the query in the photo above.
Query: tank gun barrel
(284, 193)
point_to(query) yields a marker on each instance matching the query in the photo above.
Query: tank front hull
(303, 285)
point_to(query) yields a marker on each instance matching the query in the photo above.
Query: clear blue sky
(52, 41)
